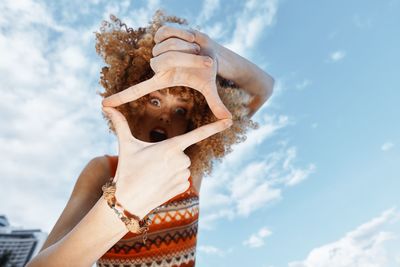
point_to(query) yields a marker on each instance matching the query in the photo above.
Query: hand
(192, 41)
(174, 68)
(149, 174)
(231, 66)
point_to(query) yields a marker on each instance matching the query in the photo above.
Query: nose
(165, 117)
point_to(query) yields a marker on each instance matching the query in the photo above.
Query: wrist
(133, 206)
(122, 230)
(133, 222)
(129, 200)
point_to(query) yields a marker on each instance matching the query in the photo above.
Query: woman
(168, 139)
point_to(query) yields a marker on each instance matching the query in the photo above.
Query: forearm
(245, 75)
(240, 70)
(99, 230)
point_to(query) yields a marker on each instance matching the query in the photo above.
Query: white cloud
(54, 124)
(208, 10)
(134, 17)
(257, 240)
(298, 175)
(256, 15)
(49, 75)
(269, 125)
(233, 32)
(387, 146)
(217, 31)
(260, 195)
(246, 182)
(212, 250)
(29, 13)
(303, 84)
(279, 88)
(208, 219)
(337, 55)
(369, 245)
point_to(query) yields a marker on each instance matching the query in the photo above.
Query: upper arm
(85, 194)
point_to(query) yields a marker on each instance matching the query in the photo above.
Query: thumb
(214, 101)
(120, 124)
(217, 106)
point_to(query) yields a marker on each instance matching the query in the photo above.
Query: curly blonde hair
(127, 53)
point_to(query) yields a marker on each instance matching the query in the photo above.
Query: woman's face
(165, 115)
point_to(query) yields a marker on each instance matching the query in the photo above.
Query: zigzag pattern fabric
(171, 239)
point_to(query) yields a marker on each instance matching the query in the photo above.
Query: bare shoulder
(97, 166)
(93, 176)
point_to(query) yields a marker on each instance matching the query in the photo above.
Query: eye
(180, 111)
(155, 102)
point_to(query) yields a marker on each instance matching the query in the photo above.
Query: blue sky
(316, 185)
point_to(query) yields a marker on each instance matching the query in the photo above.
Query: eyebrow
(179, 99)
(184, 99)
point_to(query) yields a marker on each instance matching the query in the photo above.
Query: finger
(120, 124)
(201, 133)
(179, 161)
(183, 176)
(215, 103)
(175, 44)
(131, 93)
(199, 37)
(186, 162)
(166, 31)
(211, 93)
(179, 177)
(175, 59)
(181, 188)
(121, 127)
(177, 189)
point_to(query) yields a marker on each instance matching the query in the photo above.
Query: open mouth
(158, 134)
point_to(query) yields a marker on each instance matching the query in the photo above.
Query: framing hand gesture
(174, 68)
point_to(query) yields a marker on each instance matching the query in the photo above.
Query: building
(20, 244)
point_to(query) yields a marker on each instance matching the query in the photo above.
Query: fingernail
(106, 112)
(224, 113)
(208, 62)
(228, 122)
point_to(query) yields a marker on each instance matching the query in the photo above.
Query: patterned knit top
(171, 239)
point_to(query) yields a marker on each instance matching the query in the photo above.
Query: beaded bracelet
(131, 221)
